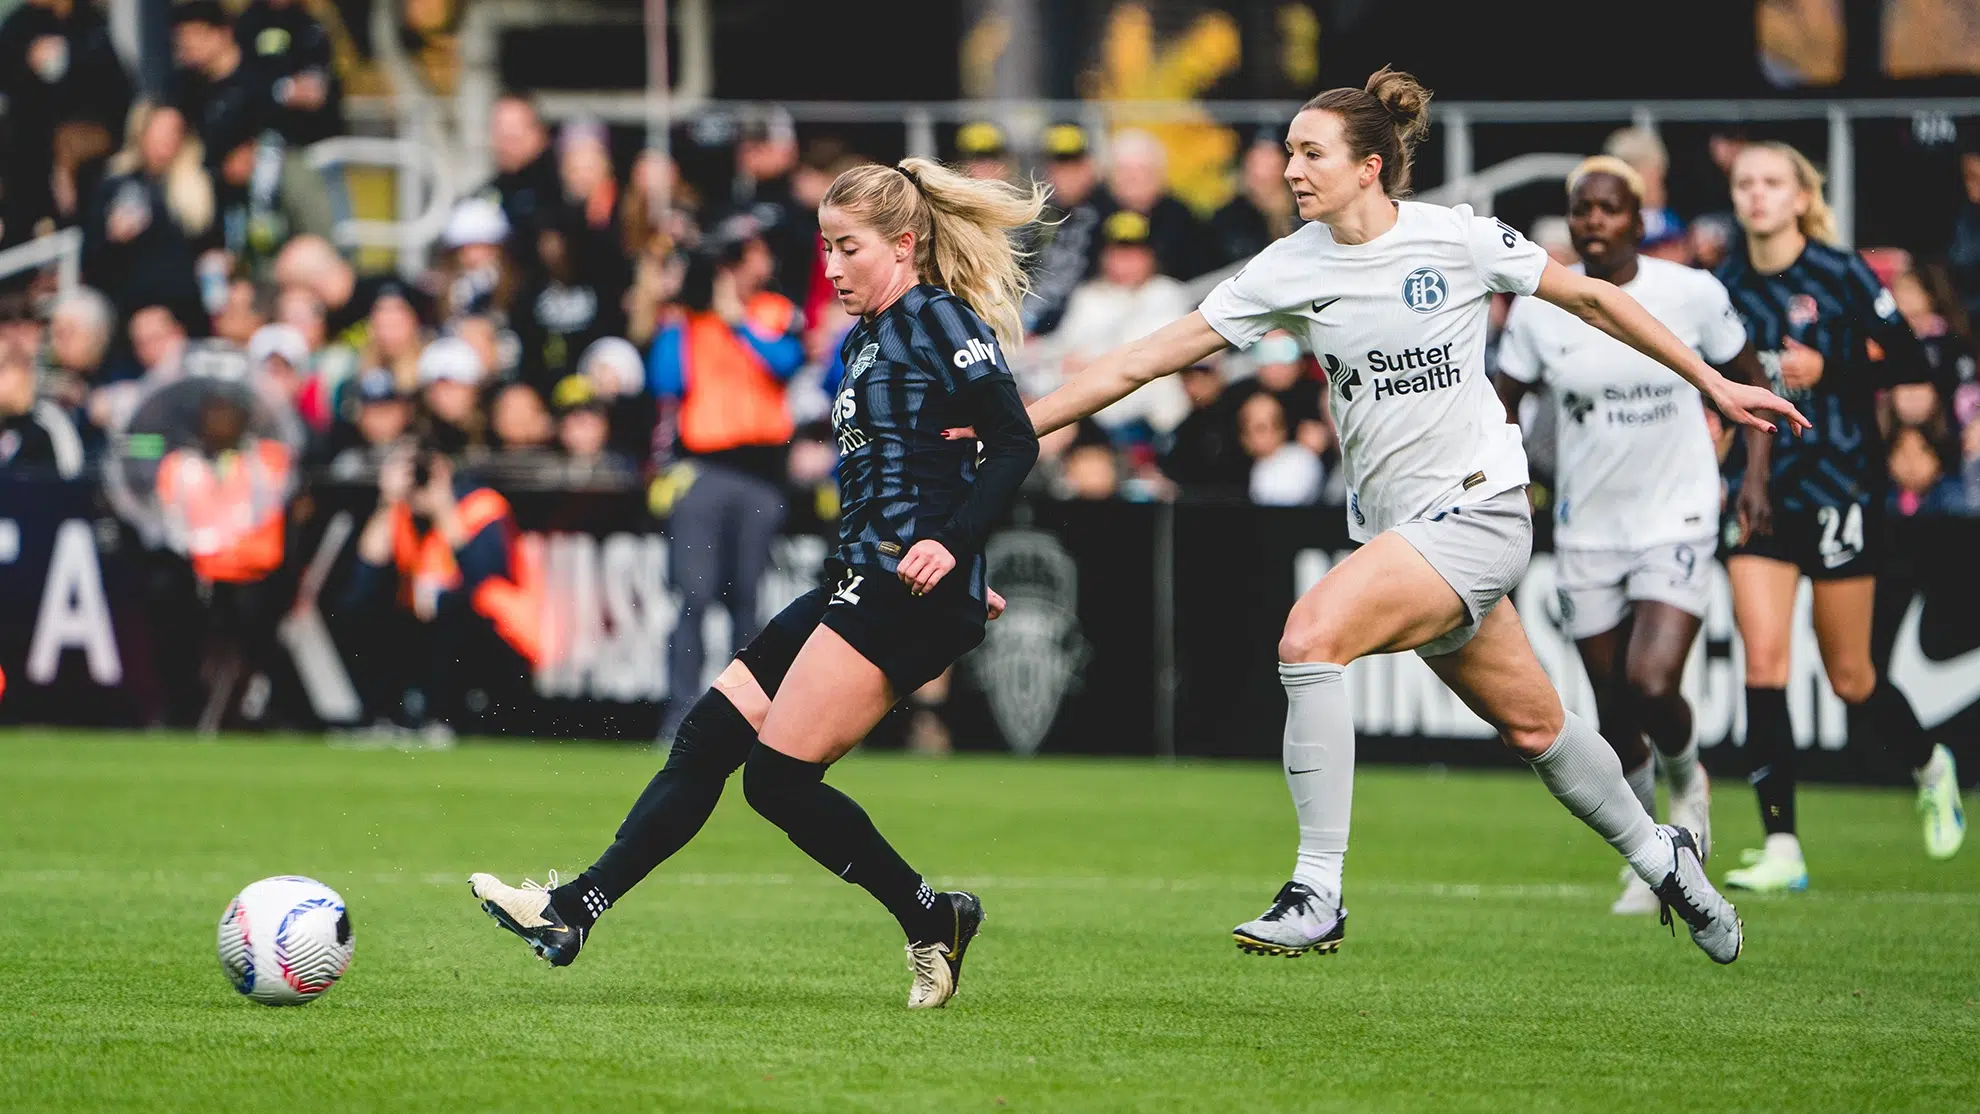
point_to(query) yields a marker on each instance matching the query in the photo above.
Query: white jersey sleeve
(1508, 262)
(1720, 331)
(1519, 354)
(1253, 302)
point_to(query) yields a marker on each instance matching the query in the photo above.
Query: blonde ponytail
(1819, 222)
(961, 229)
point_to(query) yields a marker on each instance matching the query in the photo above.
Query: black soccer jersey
(1831, 301)
(924, 364)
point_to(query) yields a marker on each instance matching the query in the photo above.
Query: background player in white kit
(1393, 297)
(1637, 505)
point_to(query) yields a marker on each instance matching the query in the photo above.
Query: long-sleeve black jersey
(922, 365)
(1831, 301)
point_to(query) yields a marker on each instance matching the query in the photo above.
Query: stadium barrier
(1132, 629)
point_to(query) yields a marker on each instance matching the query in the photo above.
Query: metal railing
(62, 248)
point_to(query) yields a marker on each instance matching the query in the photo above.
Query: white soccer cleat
(1693, 812)
(1938, 803)
(1769, 872)
(1714, 923)
(937, 965)
(1299, 921)
(526, 911)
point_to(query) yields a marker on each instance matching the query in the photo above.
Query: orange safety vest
(513, 605)
(732, 399)
(231, 509)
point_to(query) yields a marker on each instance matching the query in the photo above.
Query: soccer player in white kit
(1392, 296)
(1637, 505)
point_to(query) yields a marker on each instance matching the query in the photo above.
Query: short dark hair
(208, 12)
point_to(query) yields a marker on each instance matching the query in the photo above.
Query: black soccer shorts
(910, 638)
(1825, 543)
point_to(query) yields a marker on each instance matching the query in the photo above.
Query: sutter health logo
(1432, 365)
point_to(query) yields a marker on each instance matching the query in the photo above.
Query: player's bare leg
(1383, 597)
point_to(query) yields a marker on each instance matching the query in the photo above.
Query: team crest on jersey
(1802, 311)
(863, 361)
(1425, 290)
(1344, 378)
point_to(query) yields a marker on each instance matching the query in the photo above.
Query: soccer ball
(286, 940)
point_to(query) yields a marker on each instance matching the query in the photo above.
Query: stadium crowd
(584, 325)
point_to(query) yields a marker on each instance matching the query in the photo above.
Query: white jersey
(1636, 464)
(1399, 325)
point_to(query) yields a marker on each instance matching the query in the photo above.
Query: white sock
(1643, 783)
(1783, 845)
(1935, 767)
(1319, 759)
(1583, 773)
(1681, 770)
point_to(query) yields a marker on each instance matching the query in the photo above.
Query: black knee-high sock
(831, 827)
(1887, 716)
(711, 743)
(1770, 752)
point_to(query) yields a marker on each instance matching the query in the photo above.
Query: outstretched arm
(1604, 306)
(1115, 375)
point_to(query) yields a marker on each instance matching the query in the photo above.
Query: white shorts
(1481, 550)
(1596, 586)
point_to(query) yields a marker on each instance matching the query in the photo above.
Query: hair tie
(909, 175)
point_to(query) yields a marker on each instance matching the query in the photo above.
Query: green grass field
(1482, 972)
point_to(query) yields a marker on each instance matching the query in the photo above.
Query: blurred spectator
(384, 415)
(1139, 182)
(395, 336)
(1089, 469)
(720, 364)
(224, 503)
(60, 74)
(226, 101)
(450, 379)
(1263, 209)
(1204, 452)
(1919, 484)
(330, 366)
(765, 159)
(158, 342)
(239, 316)
(594, 226)
(309, 262)
(475, 275)
(526, 183)
(1070, 244)
(1551, 233)
(618, 378)
(81, 147)
(498, 348)
(519, 422)
(584, 433)
(35, 433)
(442, 611)
(139, 239)
(1710, 240)
(981, 148)
(278, 359)
(568, 303)
(1127, 301)
(266, 194)
(292, 48)
(1963, 253)
(1284, 473)
(1281, 369)
(1646, 154)
(81, 325)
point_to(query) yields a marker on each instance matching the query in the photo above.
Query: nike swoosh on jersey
(1318, 306)
(1939, 690)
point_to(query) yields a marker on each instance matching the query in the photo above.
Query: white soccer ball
(285, 940)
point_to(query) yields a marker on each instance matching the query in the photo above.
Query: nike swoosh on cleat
(1938, 690)
(1318, 306)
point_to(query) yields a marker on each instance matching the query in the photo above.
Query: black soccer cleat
(937, 966)
(526, 911)
(1298, 922)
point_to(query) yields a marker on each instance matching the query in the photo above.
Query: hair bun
(1405, 100)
